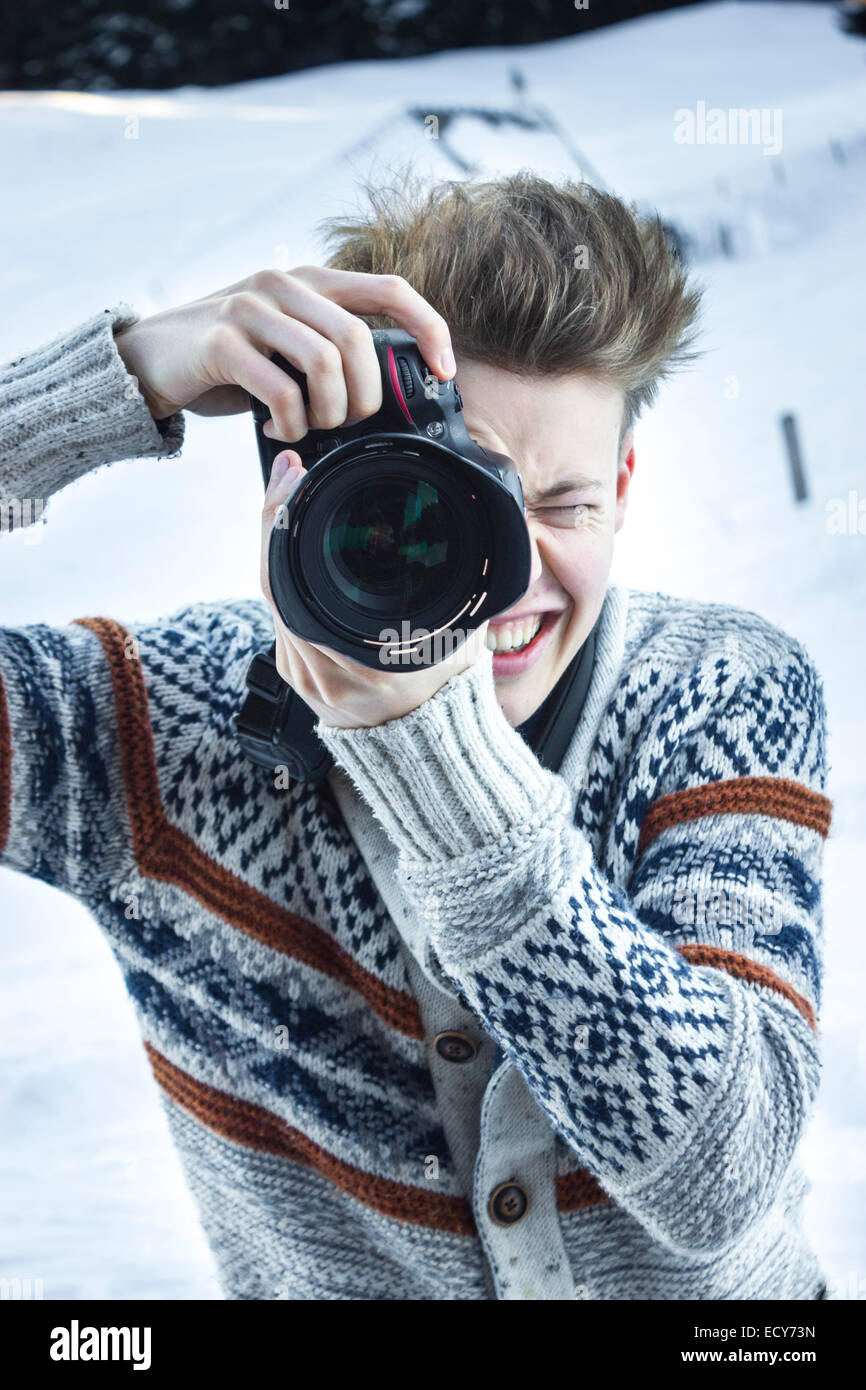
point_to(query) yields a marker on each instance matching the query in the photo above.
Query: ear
(624, 471)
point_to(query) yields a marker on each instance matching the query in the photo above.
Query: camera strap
(276, 728)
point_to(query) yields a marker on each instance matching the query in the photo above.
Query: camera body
(414, 401)
(402, 538)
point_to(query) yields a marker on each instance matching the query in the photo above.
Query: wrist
(129, 347)
(451, 775)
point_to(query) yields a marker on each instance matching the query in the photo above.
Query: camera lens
(386, 531)
(390, 542)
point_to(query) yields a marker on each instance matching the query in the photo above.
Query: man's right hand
(207, 355)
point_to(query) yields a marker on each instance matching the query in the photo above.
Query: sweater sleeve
(101, 726)
(69, 407)
(65, 408)
(674, 1051)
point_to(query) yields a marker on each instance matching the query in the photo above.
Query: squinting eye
(565, 516)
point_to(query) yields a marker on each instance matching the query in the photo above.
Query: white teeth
(513, 635)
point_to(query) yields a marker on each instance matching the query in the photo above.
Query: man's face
(563, 437)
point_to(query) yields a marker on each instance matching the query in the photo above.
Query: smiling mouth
(513, 637)
(517, 644)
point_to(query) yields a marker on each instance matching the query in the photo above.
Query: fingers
(249, 319)
(393, 296)
(287, 470)
(344, 662)
(286, 659)
(308, 669)
(310, 318)
(344, 340)
(286, 474)
(290, 663)
(262, 378)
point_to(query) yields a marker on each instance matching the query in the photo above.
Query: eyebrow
(578, 482)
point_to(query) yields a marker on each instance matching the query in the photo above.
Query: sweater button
(455, 1047)
(508, 1204)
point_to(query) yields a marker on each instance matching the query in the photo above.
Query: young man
(453, 1023)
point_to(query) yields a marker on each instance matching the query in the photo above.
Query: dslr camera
(402, 538)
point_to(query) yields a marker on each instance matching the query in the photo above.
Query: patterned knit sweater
(447, 1025)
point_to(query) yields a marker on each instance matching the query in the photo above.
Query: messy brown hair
(535, 277)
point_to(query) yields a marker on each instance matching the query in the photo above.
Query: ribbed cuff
(71, 406)
(452, 775)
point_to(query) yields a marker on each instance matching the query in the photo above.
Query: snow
(219, 183)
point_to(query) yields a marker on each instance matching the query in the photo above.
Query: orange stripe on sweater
(258, 1128)
(169, 855)
(740, 796)
(578, 1190)
(743, 968)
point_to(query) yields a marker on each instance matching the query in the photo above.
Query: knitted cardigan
(629, 950)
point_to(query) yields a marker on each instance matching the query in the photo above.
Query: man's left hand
(341, 692)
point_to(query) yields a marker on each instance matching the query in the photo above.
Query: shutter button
(508, 1204)
(455, 1047)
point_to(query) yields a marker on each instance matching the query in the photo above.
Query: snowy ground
(220, 183)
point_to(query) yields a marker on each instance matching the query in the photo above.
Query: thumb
(286, 472)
